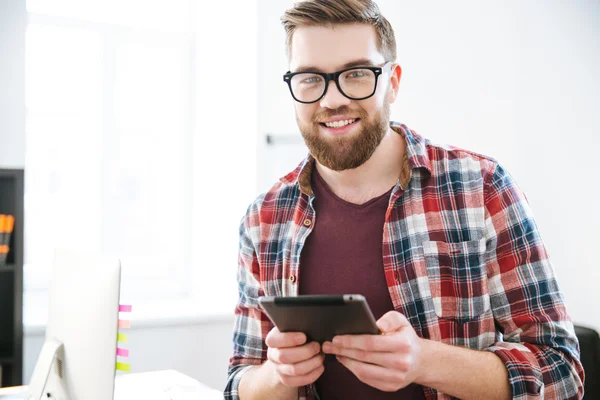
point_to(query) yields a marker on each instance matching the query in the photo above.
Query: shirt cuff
(524, 373)
(233, 382)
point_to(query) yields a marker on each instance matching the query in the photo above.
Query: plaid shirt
(462, 256)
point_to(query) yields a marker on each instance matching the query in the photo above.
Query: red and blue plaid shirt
(462, 256)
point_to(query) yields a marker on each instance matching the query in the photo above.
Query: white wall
(200, 349)
(514, 80)
(12, 83)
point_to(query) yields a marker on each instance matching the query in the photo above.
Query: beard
(342, 153)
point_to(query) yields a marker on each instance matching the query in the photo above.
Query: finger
(392, 321)
(301, 368)
(297, 381)
(284, 339)
(400, 362)
(369, 373)
(293, 355)
(385, 343)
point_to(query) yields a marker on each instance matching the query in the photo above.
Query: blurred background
(146, 128)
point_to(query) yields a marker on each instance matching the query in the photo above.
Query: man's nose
(333, 99)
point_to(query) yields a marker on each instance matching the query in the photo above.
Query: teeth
(339, 124)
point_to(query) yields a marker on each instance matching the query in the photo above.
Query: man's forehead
(329, 48)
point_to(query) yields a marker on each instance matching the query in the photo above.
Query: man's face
(327, 49)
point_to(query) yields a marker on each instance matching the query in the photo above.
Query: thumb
(392, 321)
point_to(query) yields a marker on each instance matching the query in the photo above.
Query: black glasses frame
(334, 76)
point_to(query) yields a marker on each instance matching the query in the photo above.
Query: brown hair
(330, 12)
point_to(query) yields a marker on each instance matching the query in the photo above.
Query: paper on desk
(162, 385)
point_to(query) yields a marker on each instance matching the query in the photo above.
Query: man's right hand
(296, 363)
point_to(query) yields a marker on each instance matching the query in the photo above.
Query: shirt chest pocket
(457, 278)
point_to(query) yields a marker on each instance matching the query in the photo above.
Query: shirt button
(307, 222)
(292, 278)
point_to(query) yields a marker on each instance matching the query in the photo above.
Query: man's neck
(373, 178)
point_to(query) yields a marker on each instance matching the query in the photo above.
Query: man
(440, 241)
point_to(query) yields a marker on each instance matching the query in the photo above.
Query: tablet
(320, 317)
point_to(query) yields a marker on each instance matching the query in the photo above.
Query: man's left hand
(389, 361)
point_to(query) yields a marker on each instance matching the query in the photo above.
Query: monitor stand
(47, 379)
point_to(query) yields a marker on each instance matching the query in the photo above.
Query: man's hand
(296, 363)
(387, 362)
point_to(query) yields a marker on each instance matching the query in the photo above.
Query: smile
(339, 124)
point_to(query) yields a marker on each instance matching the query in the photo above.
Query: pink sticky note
(124, 308)
(123, 323)
(122, 352)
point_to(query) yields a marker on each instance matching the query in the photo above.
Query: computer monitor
(78, 359)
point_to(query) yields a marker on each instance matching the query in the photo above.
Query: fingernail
(326, 347)
(299, 338)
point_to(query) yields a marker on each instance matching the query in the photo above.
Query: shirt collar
(415, 156)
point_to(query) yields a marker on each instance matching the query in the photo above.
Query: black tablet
(321, 317)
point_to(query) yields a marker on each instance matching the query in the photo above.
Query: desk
(162, 385)
(156, 385)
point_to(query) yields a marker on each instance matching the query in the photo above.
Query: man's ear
(396, 75)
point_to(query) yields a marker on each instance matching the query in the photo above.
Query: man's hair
(331, 12)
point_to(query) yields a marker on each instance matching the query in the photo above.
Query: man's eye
(356, 74)
(311, 80)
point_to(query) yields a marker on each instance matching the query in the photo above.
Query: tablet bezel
(320, 317)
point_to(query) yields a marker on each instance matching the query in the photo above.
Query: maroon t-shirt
(344, 254)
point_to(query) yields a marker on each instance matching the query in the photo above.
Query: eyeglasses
(356, 83)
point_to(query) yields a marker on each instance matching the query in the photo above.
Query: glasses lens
(307, 87)
(357, 83)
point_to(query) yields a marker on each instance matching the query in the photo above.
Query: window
(141, 142)
(108, 99)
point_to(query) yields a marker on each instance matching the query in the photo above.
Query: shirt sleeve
(538, 347)
(251, 325)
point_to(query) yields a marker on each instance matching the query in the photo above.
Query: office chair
(589, 343)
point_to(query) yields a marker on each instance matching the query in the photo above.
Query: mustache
(344, 110)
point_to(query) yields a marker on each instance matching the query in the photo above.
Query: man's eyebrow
(363, 62)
